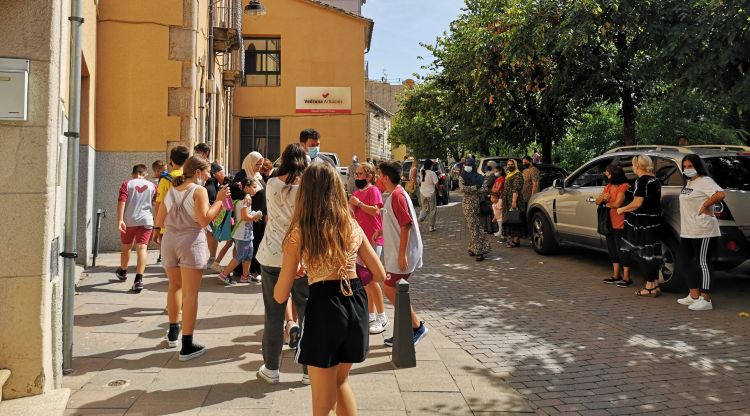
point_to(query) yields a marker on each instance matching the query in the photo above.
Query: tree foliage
(582, 76)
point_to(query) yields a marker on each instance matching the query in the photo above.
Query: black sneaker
(173, 335)
(121, 274)
(625, 283)
(137, 286)
(611, 280)
(191, 351)
(388, 342)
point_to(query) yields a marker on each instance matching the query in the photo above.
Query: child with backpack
(243, 236)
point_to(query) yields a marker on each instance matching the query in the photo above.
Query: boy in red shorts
(135, 220)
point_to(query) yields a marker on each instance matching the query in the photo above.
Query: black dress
(641, 242)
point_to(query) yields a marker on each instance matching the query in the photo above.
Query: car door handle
(591, 200)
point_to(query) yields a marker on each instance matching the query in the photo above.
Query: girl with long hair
(184, 248)
(613, 196)
(328, 240)
(281, 198)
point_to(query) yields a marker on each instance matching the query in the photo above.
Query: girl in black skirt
(640, 242)
(335, 330)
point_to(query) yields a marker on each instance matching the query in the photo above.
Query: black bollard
(403, 334)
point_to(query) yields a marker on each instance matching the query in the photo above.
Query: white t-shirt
(427, 187)
(280, 199)
(243, 231)
(693, 195)
(174, 197)
(392, 233)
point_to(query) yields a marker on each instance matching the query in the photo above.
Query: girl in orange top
(614, 197)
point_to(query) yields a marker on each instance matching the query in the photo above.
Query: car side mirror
(558, 183)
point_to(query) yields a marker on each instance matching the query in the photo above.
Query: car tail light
(732, 246)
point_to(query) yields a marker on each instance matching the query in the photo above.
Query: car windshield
(730, 172)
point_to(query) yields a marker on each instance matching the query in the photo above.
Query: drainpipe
(71, 185)
(211, 86)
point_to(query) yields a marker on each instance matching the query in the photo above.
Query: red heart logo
(326, 95)
(141, 188)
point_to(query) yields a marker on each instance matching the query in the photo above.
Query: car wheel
(542, 236)
(670, 280)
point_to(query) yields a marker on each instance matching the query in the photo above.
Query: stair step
(4, 376)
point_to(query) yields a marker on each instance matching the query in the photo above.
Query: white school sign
(324, 100)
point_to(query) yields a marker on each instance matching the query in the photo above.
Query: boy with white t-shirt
(402, 242)
(135, 220)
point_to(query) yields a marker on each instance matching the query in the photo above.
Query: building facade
(304, 69)
(377, 146)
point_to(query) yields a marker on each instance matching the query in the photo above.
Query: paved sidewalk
(123, 366)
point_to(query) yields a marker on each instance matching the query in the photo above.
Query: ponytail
(192, 165)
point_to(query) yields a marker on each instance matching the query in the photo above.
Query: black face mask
(360, 183)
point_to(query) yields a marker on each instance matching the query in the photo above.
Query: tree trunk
(546, 150)
(628, 117)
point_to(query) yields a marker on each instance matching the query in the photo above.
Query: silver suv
(566, 213)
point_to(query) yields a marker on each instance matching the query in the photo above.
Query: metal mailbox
(14, 89)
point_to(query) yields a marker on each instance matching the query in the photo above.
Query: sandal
(654, 292)
(244, 279)
(512, 244)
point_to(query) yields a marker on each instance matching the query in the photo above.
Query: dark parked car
(444, 179)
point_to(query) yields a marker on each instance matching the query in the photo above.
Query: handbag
(604, 222)
(364, 274)
(513, 217)
(485, 207)
(222, 226)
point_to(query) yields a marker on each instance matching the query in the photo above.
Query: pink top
(370, 223)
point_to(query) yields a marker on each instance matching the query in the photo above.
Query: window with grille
(260, 135)
(262, 62)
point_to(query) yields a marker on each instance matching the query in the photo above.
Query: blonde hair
(369, 170)
(644, 162)
(321, 214)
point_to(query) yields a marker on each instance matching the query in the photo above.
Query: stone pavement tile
(459, 362)
(382, 412)
(433, 403)
(227, 305)
(378, 361)
(182, 379)
(107, 380)
(94, 412)
(178, 402)
(425, 350)
(242, 391)
(213, 324)
(102, 345)
(142, 359)
(103, 399)
(487, 393)
(377, 392)
(85, 369)
(439, 340)
(211, 411)
(427, 376)
(292, 400)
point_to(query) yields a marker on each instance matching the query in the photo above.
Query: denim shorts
(244, 250)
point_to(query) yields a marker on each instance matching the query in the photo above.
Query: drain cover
(117, 383)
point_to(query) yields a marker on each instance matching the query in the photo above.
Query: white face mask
(690, 172)
(468, 169)
(497, 174)
(199, 181)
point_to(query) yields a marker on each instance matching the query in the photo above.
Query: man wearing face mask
(310, 140)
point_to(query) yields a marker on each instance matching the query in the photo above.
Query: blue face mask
(313, 151)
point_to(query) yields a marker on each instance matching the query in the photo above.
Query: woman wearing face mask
(640, 242)
(614, 196)
(366, 203)
(512, 201)
(699, 230)
(185, 250)
(472, 185)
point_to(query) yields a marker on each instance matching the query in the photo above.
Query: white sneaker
(269, 376)
(687, 300)
(305, 379)
(701, 305)
(376, 327)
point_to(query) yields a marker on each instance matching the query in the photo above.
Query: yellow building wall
(134, 75)
(319, 48)
(88, 83)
